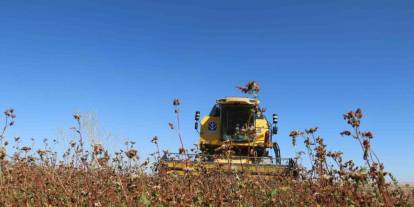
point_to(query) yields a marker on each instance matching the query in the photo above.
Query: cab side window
(215, 111)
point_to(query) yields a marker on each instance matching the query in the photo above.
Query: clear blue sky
(127, 60)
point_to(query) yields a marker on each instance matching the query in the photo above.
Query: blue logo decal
(212, 126)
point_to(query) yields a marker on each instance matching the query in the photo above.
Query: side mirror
(274, 130)
(275, 121)
(197, 119)
(275, 118)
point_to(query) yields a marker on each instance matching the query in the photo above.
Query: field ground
(407, 185)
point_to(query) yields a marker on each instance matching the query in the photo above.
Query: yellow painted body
(214, 137)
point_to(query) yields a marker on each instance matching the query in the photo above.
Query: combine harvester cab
(234, 137)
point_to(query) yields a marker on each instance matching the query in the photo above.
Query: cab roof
(238, 100)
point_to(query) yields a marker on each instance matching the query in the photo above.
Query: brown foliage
(37, 178)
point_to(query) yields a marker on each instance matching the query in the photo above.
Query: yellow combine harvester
(235, 136)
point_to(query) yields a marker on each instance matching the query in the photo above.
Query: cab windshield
(236, 120)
